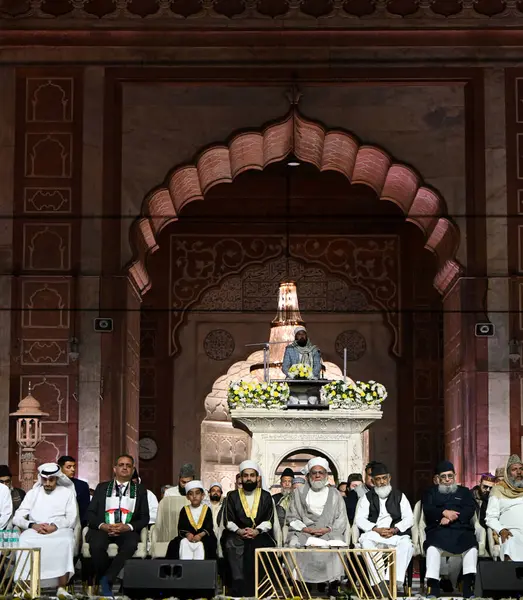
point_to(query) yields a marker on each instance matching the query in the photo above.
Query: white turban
(317, 461)
(299, 328)
(216, 484)
(53, 470)
(192, 485)
(250, 464)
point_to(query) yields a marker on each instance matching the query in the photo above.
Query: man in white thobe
(6, 506)
(384, 515)
(317, 517)
(47, 518)
(505, 510)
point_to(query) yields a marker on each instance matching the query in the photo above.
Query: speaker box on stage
(499, 579)
(159, 578)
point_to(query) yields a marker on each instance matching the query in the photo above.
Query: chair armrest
(494, 548)
(481, 537)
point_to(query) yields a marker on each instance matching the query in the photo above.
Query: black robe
(458, 536)
(185, 526)
(240, 552)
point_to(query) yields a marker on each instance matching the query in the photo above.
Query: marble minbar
(278, 433)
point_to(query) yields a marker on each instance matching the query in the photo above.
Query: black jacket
(83, 497)
(96, 510)
(459, 536)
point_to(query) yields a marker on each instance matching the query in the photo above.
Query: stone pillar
(90, 372)
(7, 144)
(497, 269)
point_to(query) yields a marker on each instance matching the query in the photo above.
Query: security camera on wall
(485, 330)
(103, 325)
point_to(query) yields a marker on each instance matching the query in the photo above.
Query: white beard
(317, 486)
(515, 483)
(448, 489)
(286, 491)
(384, 491)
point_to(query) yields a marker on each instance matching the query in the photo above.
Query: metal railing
(370, 574)
(20, 572)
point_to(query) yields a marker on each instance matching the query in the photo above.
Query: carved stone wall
(46, 248)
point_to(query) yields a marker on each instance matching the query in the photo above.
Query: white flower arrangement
(361, 394)
(300, 371)
(245, 394)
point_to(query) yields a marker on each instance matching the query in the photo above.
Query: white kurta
(372, 539)
(57, 549)
(507, 513)
(6, 506)
(153, 506)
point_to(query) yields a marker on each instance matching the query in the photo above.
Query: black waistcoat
(392, 504)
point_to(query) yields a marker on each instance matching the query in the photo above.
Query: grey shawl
(318, 567)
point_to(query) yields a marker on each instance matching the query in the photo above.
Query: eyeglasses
(447, 477)
(317, 473)
(8, 480)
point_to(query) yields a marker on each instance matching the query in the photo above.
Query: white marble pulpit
(279, 433)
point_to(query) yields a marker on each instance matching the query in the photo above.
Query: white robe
(57, 549)
(372, 539)
(507, 513)
(153, 506)
(6, 506)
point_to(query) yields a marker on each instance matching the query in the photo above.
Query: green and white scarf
(125, 503)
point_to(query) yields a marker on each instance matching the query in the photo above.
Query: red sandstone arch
(328, 150)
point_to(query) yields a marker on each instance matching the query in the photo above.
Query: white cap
(216, 484)
(192, 485)
(249, 464)
(318, 461)
(299, 328)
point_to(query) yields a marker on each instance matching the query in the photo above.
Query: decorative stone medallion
(354, 342)
(218, 344)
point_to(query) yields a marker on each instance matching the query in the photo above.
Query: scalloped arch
(328, 150)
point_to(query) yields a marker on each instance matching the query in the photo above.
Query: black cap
(379, 469)
(288, 473)
(5, 471)
(443, 466)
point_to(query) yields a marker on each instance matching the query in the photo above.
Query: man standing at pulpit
(302, 351)
(249, 518)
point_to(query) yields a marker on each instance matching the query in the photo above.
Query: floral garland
(245, 394)
(300, 371)
(361, 394)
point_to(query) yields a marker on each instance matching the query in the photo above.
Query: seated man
(282, 500)
(317, 512)
(152, 500)
(385, 516)
(216, 504)
(6, 506)
(195, 539)
(354, 481)
(187, 473)
(342, 488)
(481, 495)
(449, 509)
(17, 494)
(355, 493)
(249, 518)
(118, 512)
(302, 351)
(83, 497)
(505, 510)
(47, 518)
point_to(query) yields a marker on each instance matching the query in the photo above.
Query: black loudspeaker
(499, 579)
(159, 578)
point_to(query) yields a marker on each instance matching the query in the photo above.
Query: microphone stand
(266, 346)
